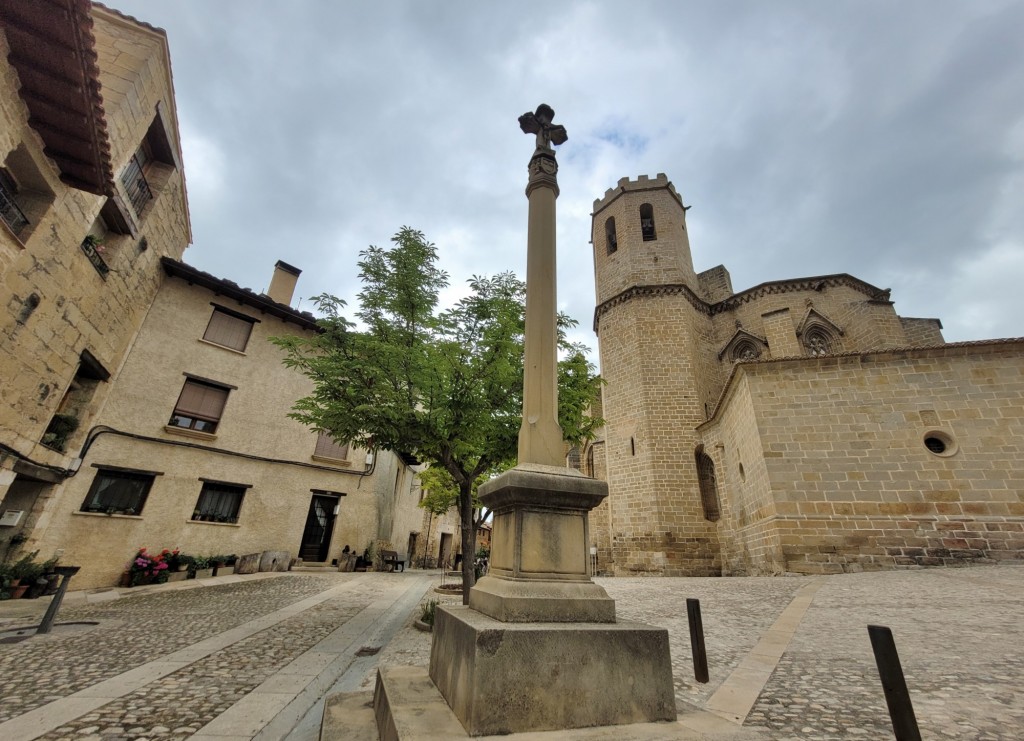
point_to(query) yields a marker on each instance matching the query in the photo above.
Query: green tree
(443, 386)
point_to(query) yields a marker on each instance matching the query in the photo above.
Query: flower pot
(177, 576)
(223, 570)
(19, 591)
(204, 573)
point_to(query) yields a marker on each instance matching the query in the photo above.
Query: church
(800, 425)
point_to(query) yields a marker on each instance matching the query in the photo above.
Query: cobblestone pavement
(960, 638)
(959, 633)
(131, 632)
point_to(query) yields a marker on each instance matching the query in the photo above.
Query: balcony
(92, 248)
(135, 185)
(11, 214)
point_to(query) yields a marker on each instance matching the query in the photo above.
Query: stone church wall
(854, 485)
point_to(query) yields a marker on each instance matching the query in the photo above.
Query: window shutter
(228, 331)
(200, 400)
(327, 448)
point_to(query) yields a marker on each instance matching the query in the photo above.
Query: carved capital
(543, 170)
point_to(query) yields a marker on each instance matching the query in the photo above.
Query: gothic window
(818, 342)
(647, 222)
(708, 486)
(746, 350)
(609, 234)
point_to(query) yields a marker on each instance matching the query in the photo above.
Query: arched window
(746, 350)
(818, 342)
(708, 486)
(647, 222)
(609, 235)
(589, 470)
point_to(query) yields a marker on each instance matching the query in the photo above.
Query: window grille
(134, 180)
(9, 210)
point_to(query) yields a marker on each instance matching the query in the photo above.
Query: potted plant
(200, 568)
(23, 573)
(60, 429)
(148, 568)
(223, 565)
(177, 565)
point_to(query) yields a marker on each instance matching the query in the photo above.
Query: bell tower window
(647, 223)
(609, 234)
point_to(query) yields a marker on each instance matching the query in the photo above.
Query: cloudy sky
(879, 138)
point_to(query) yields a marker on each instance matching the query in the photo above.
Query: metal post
(700, 655)
(897, 697)
(65, 572)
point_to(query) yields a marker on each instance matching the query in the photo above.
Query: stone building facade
(799, 425)
(141, 404)
(194, 449)
(92, 196)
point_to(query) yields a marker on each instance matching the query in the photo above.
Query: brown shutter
(202, 401)
(327, 448)
(228, 331)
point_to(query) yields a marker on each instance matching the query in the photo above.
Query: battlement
(643, 182)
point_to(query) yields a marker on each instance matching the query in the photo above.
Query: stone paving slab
(959, 633)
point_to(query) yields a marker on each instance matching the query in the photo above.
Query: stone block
(248, 564)
(275, 561)
(516, 677)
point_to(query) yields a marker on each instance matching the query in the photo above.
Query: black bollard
(700, 655)
(897, 697)
(65, 572)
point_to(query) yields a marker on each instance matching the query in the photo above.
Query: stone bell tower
(654, 333)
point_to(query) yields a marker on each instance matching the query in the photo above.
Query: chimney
(282, 285)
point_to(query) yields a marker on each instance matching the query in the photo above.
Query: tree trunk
(468, 538)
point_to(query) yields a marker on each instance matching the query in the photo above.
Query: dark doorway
(412, 548)
(445, 551)
(316, 537)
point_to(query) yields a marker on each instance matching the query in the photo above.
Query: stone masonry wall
(636, 262)
(75, 307)
(657, 524)
(853, 484)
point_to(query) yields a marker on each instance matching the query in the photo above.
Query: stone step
(349, 716)
(313, 566)
(410, 708)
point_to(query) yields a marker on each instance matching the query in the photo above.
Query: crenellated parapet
(644, 182)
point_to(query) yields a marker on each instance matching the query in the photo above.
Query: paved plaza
(243, 657)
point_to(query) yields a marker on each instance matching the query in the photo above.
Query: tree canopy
(443, 385)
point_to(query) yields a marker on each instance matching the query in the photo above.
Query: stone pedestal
(538, 647)
(539, 566)
(516, 677)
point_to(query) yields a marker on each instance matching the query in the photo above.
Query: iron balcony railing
(10, 212)
(135, 184)
(92, 248)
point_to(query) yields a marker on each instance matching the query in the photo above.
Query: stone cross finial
(539, 123)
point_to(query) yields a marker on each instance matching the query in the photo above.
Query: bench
(390, 558)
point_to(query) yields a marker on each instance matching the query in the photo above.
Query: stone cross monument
(540, 437)
(538, 647)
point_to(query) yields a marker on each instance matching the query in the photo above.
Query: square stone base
(515, 677)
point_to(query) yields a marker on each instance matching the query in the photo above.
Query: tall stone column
(538, 647)
(540, 437)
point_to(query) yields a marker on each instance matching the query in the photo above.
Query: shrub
(427, 612)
